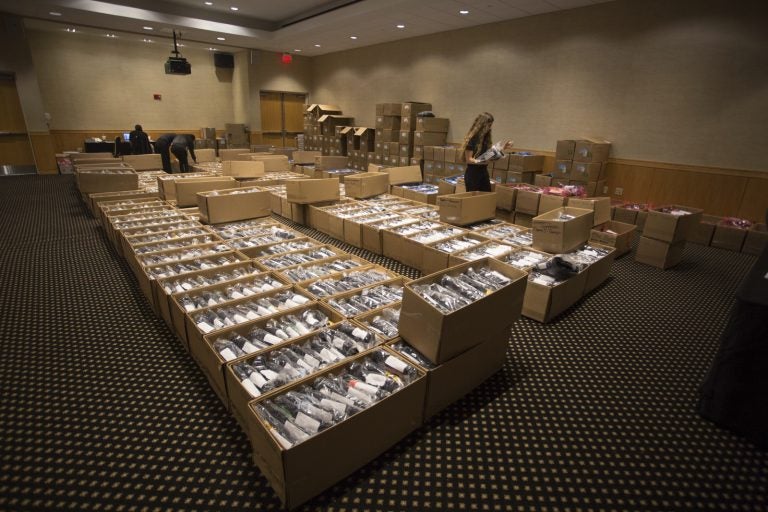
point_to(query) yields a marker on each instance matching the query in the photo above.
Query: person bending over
(179, 147)
(163, 147)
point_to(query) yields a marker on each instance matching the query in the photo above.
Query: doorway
(16, 155)
(282, 117)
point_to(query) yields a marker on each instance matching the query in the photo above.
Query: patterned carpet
(102, 409)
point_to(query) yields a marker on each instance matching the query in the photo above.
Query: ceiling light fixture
(296, 50)
(71, 30)
(208, 3)
(147, 40)
(213, 49)
(463, 11)
(220, 39)
(353, 37)
(111, 35)
(54, 13)
(233, 8)
(317, 46)
(401, 26)
(148, 28)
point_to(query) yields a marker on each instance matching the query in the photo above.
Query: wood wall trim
(43, 150)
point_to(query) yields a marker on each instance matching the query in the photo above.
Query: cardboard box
(405, 137)
(659, 254)
(525, 162)
(756, 240)
(467, 208)
(373, 236)
(618, 235)
(187, 189)
(506, 198)
(304, 157)
(228, 207)
(601, 206)
(474, 365)
(231, 154)
(441, 337)
(312, 191)
(598, 271)
(412, 108)
(728, 237)
(549, 202)
(388, 122)
(242, 168)
(702, 232)
(272, 163)
(625, 215)
(434, 260)
(404, 175)
(557, 236)
(331, 162)
(385, 135)
(528, 201)
(148, 162)
(368, 184)
(591, 151)
(588, 171)
(562, 170)
(668, 227)
(542, 180)
(210, 361)
(429, 138)
(97, 181)
(565, 149)
(341, 449)
(432, 124)
(544, 303)
(392, 241)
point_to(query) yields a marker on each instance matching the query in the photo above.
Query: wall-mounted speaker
(224, 60)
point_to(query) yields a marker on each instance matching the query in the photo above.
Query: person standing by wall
(163, 147)
(139, 141)
(477, 141)
(179, 147)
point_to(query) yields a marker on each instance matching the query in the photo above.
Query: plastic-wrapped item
(435, 235)
(225, 316)
(525, 259)
(502, 231)
(162, 227)
(735, 222)
(455, 292)
(523, 239)
(183, 284)
(347, 282)
(492, 249)
(165, 236)
(581, 258)
(412, 229)
(209, 298)
(385, 322)
(307, 272)
(284, 247)
(191, 266)
(405, 349)
(185, 254)
(297, 258)
(367, 300)
(456, 244)
(175, 244)
(554, 271)
(298, 414)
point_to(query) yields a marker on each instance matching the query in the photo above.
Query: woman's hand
(508, 145)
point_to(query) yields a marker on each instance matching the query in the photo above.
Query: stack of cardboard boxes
(581, 162)
(732, 234)
(443, 162)
(664, 235)
(320, 128)
(516, 167)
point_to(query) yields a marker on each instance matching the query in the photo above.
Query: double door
(282, 117)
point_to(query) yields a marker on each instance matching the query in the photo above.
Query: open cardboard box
(614, 234)
(213, 364)
(388, 276)
(544, 303)
(242, 168)
(399, 281)
(501, 249)
(175, 314)
(226, 206)
(142, 252)
(186, 190)
(373, 234)
(702, 232)
(556, 236)
(600, 205)
(599, 271)
(144, 162)
(392, 239)
(127, 237)
(441, 337)
(413, 245)
(276, 262)
(312, 191)
(728, 237)
(339, 450)
(434, 260)
(756, 240)
(97, 181)
(667, 227)
(467, 208)
(283, 272)
(253, 248)
(527, 201)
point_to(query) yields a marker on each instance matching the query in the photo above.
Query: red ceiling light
(287, 58)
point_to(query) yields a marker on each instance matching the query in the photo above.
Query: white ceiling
(278, 25)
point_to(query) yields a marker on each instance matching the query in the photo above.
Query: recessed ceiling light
(353, 37)
(297, 50)
(148, 28)
(147, 40)
(71, 30)
(208, 3)
(111, 35)
(212, 49)
(54, 13)
(401, 26)
(317, 46)
(233, 8)
(463, 11)
(220, 39)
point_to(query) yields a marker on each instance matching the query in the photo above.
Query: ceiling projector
(177, 65)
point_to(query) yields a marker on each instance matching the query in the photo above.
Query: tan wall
(682, 82)
(90, 82)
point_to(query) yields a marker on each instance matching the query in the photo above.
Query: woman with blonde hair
(477, 141)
